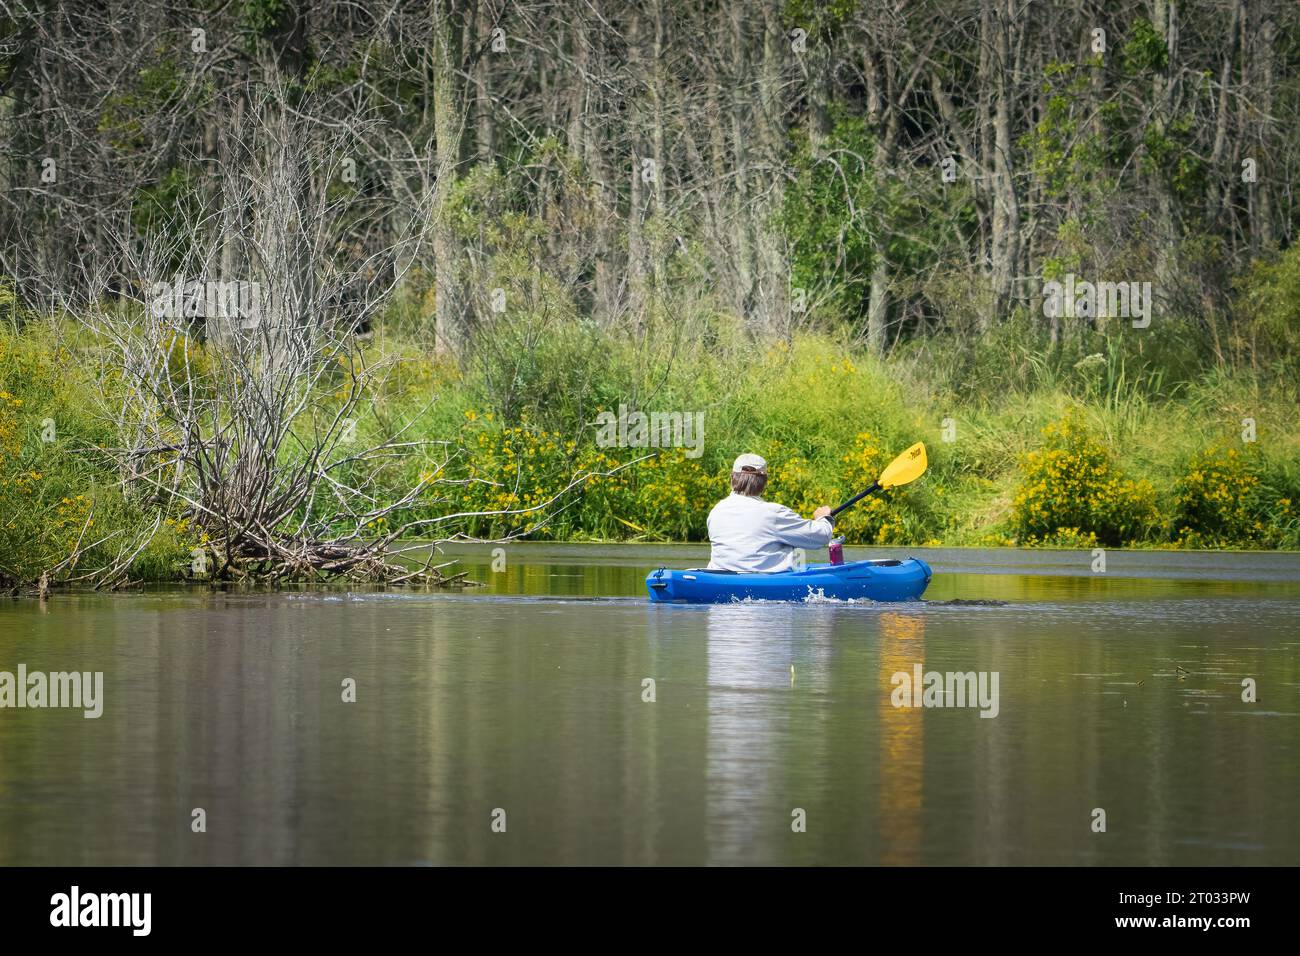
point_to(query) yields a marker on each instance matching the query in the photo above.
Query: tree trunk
(773, 265)
(1006, 205)
(638, 266)
(1262, 232)
(448, 122)
(1165, 20)
(741, 214)
(484, 124)
(883, 118)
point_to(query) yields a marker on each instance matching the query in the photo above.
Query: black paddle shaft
(875, 486)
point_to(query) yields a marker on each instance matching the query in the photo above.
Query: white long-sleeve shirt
(750, 534)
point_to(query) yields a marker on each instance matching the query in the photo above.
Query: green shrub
(667, 496)
(1071, 490)
(1221, 501)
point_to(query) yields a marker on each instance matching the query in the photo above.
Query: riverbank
(1110, 450)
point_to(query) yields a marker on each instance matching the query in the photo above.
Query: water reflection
(535, 705)
(746, 720)
(902, 741)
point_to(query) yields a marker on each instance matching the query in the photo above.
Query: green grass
(57, 495)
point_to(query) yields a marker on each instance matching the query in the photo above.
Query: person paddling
(750, 534)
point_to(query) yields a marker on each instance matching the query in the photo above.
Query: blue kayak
(882, 580)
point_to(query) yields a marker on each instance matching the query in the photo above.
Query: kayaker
(750, 534)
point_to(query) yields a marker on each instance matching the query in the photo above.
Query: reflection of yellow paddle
(908, 466)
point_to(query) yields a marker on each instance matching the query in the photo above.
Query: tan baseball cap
(752, 462)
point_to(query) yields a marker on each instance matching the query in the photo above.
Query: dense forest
(1036, 234)
(905, 168)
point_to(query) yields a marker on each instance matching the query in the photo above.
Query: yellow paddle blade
(908, 466)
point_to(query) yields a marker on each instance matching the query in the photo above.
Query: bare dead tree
(245, 394)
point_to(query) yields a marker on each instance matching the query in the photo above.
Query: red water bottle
(837, 550)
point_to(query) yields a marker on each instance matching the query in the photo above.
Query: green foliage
(665, 497)
(1113, 365)
(1170, 153)
(1065, 158)
(331, 77)
(9, 310)
(1268, 309)
(1222, 502)
(1145, 51)
(56, 496)
(1072, 491)
(804, 486)
(827, 418)
(164, 207)
(802, 406)
(832, 13)
(829, 213)
(125, 115)
(265, 17)
(838, 218)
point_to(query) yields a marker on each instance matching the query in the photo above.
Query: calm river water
(524, 705)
